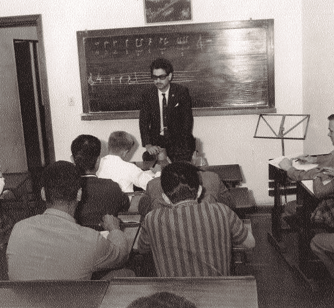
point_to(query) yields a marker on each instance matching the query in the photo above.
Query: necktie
(164, 111)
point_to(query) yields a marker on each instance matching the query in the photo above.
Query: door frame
(36, 20)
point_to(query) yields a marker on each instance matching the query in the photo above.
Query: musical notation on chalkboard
(226, 66)
(138, 78)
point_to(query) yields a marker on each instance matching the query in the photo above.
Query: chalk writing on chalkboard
(226, 66)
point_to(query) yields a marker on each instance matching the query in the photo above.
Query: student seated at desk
(322, 244)
(113, 166)
(99, 196)
(52, 246)
(214, 189)
(321, 160)
(188, 238)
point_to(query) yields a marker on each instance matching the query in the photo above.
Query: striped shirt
(192, 239)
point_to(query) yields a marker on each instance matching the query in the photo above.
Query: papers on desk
(130, 218)
(275, 162)
(131, 235)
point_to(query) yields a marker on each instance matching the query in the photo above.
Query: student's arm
(144, 205)
(125, 202)
(113, 251)
(296, 174)
(140, 178)
(241, 236)
(225, 196)
(143, 240)
(249, 242)
(320, 190)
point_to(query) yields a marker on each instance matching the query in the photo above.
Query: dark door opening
(32, 108)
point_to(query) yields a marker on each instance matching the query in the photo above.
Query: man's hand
(285, 164)
(157, 168)
(306, 159)
(328, 171)
(110, 222)
(153, 149)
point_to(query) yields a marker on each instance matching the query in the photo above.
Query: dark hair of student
(183, 149)
(162, 300)
(163, 64)
(120, 141)
(85, 149)
(180, 181)
(331, 117)
(61, 181)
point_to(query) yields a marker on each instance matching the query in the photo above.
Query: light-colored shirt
(192, 239)
(52, 246)
(124, 173)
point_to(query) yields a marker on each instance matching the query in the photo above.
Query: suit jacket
(214, 190)
(179, 114)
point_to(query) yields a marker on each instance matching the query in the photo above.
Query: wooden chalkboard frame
(255, 35)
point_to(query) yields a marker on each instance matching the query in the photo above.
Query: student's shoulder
(109, 183)
(221, 207)
(209, 174)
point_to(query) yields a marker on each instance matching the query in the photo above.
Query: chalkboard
(227, 66)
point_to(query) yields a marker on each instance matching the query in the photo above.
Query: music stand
(272, 126)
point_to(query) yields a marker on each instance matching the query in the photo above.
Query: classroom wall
(225, 139)
(318, 72)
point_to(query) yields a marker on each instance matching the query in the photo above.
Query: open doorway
(26, 136)
(32, 108)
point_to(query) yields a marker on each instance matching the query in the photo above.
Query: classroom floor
(278, 285)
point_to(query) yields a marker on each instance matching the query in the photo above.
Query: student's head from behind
(162, 300)
(180, 181)
(183, 149)
(120, 143)
(86, 150)
(61, 183)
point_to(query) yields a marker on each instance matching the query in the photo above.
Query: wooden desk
(281, 185)
(231, 292)
(52, 294)
(306, 258)
(230, 174)
(306, 263)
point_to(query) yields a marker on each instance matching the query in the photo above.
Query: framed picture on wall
(167, 10)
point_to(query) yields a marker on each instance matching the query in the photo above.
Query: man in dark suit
(165, 116)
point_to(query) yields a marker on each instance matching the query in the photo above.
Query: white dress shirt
(124, 173)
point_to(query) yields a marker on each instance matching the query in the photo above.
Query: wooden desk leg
(275, 238)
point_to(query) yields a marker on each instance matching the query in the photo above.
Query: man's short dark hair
(331, 117)
(182, 149)
(120, 141)
(61, 182)
(162, 300)
(180, 181)
(163, 64)
(85, 149)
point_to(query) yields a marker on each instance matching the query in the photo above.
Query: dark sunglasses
(161, 77)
